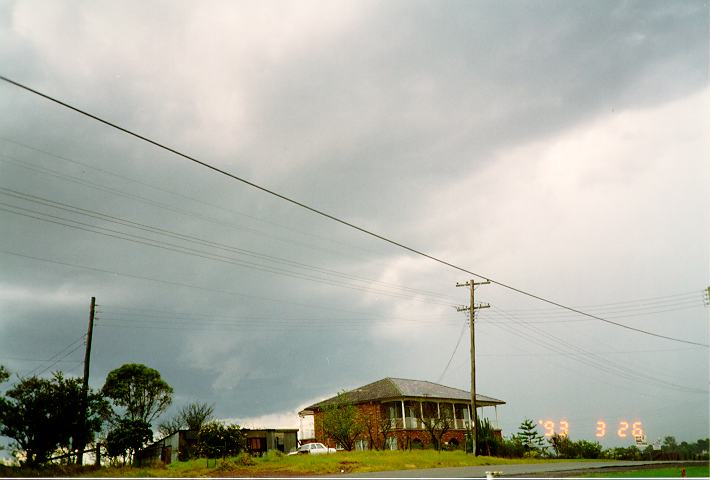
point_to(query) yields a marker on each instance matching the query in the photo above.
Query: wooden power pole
(472, 316)
(85, 386)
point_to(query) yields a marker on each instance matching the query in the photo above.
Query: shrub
(511, 448)
(589, 449)
(621, 453)
(487, 442)
(272, 455)
(245, 459)
(226, 466)
(216, 440)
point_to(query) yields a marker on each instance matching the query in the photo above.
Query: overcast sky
(557, 147)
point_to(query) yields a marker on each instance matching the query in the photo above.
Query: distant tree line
(44, 419)
(528, 442)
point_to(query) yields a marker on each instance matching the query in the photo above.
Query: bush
(563, 447)
(246, 459)
(511, 448)
(589, 449)
(226, 466)
(272, 455)
(216, 440)
(621, 453)
(487, 442)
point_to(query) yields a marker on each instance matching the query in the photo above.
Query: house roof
(392, 388)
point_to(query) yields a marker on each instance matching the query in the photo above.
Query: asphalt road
(519, 470)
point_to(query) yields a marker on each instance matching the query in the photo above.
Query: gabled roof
(396, 388)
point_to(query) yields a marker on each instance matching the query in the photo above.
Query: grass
(307, 465)
(667, 472)
(279, 465)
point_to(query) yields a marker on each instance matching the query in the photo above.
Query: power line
(158, 315)
(458, 342)
(694, 299)
(178, 284)
(646, 300)
(335, 218)
(57, 357)
(199, 241)
(70, 178)
(201, 253)
(554, 343)
(570, 319)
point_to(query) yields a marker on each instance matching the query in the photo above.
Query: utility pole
(81, 445)
(472, 316)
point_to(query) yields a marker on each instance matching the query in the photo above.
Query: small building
(181, 444)
(404, 407)
(170, 448)
(260, 441)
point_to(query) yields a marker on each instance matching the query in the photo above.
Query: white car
(313, 449)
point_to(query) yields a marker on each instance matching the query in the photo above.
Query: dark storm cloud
(376, 111)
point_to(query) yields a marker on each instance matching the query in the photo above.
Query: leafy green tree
(43, 416)
(4, 374)
(127, 437)
(192, 416)
(670, 444)
(216, 440)
(589, 449)
(137, 392)
(341, 422)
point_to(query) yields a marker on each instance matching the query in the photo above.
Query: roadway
(519, 470)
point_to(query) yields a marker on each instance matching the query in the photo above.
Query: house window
(446, 410)
(361, 444)
(412, 413)
(430, 410)
(463, 419)
(392, 411)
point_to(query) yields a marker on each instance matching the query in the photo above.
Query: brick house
(405, 405)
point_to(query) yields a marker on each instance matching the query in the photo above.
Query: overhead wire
(542, 320)
(556, 343)
(171, 208)
(177, 284)
(186, 197)
(645, 300)
(58, 357)
(693, 299)
(453, 353)
(204, 242)
(335, 218)
(37, 215)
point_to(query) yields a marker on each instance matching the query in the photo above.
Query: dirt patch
(347, 466)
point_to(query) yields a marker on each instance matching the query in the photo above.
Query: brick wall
(404, 437)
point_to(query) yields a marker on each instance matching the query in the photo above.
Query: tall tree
(192, 416)
(341, 422)
(137, 392)
(127, 437)
(43, 416)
